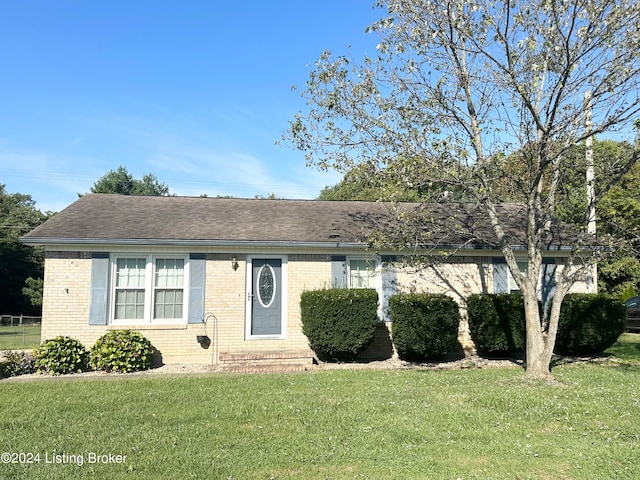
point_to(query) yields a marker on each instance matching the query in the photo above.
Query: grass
(341, 424)
(627, 348)
(19, 337)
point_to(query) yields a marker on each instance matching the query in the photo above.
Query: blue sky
(196, 92)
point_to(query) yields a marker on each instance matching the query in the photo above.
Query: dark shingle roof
(102, 218)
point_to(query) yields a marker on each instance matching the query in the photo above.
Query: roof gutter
(43, 241)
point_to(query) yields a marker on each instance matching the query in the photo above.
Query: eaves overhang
(87, 241)
(45, 241)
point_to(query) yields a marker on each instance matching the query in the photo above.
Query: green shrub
(425, 327)
(589, 324)
(496, 323)
(339, 323)
(61, 355)
(122, 351)
(16, 363)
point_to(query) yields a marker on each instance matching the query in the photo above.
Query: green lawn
(340, 424)
(19, 337)
(627, 348)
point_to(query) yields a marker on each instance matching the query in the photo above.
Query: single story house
(218, 280)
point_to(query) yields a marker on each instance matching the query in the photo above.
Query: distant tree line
(19, 263)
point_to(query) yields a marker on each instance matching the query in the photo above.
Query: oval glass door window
(266, 285)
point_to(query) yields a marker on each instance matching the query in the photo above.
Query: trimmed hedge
(589, 323)
(424, 326)
(122, 351)
(496, 323)
(339, 323)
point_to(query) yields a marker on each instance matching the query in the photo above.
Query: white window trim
(283, 288)
(149, 289)
(375, 269)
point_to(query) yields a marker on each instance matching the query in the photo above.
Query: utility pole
(592, 274)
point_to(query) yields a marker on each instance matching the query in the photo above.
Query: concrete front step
(265, 367)
(275, 357)
(266, 361)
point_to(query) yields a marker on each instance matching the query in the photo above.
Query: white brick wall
(67, 292)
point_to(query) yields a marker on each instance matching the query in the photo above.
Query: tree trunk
(538, 357)
(538, 367)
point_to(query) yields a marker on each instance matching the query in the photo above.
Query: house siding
(459, 278)
(67, 293)
(65, 296)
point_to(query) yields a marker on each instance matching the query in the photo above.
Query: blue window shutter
(197, 277)
(548, 275)
(338, 271)
(500, 276)
(99, 289)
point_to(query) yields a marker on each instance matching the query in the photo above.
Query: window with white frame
(361, 273)
(148, 288)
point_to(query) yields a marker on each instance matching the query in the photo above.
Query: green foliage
(339, 323)
(425, 327)
(16, 363)
(496, 323)
(33, 290)
(122, 351)
(61, 355)
(608, 157)
(367, 182)
(627, 293)
(619, 271)
(121, 182)
(589, 324)
(18, 262)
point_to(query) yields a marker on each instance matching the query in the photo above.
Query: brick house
(218, 280)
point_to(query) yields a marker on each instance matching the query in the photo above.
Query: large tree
(18, 262)
(455, 84)
(120, 181)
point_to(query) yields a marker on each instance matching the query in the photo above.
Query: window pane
(169, 272)
(130, 272)
(169, 279)
(361, 275)
(168, 304)
(129, 304)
